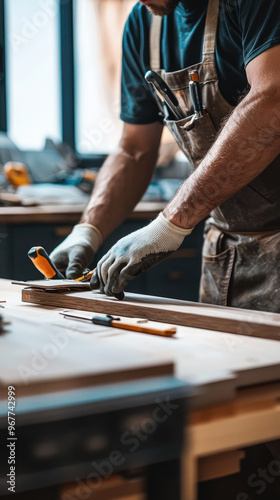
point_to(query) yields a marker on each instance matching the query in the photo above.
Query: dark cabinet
(177, 277)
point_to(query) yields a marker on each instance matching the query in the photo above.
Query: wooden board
(215, 364)
(217, 318)
(41, 355)
(54, 284)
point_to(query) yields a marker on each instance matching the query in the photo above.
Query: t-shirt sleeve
(259, 21)
(138, 106)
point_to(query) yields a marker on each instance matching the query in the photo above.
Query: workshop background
(60, 105)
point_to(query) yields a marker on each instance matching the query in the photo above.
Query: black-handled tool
(195, 92)
(166, 96)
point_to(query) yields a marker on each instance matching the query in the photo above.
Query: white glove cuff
(175, 229)
(90, 233)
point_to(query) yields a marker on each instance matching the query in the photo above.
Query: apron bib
(243, 233)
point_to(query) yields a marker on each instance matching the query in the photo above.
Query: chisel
(136, 325)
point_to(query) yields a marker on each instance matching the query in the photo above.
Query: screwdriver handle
(42, 261)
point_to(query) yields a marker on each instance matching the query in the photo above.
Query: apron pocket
(195, 142)
(216, 275)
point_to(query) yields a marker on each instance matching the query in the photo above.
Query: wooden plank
(217, 318)
(40, 355)
(234, 429)
(53, 285)
(220, 465)
(215, 364)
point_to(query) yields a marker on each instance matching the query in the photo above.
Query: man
(234, 45)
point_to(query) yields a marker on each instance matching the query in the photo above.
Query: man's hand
(77, 251)
(135, 253)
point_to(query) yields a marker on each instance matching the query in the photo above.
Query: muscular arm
(234, 160)
(124, 177)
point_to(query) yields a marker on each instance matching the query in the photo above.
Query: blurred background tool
(42, 261)
(77, 178)
(17, 174)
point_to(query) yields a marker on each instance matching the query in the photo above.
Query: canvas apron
(241, 249)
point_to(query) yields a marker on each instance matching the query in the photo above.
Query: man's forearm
(248, 143)
(120, 184)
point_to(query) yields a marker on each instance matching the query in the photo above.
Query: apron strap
(210, 32)
(155, 41)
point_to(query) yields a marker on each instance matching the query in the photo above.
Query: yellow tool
(16, 174)
(86, 276)
(42, 261)
(89, 175)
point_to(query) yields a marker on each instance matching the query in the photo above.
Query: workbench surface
(68, 213)
(234, 380)
(216, 364)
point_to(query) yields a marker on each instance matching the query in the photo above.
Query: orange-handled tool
(41, 260)
(136, 325)
(16, 173)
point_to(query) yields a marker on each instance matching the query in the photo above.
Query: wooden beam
(219, 465)
(223, 319)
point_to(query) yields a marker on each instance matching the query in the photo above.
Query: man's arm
(124, 177)
(229, 166)
(121, 183)
(233, 161)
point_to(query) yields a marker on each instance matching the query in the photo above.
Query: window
(63, 69)
(98, 28)
(33, 71)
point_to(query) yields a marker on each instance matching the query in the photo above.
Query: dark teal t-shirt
(246, 28)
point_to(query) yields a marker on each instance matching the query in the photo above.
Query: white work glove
(77, 251)
(135, 253)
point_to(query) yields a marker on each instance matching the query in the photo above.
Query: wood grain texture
(41, 355)
(238, 321)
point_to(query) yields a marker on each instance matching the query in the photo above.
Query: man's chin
(169, 7)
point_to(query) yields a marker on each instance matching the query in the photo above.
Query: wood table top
(67, 214)
(216, 364)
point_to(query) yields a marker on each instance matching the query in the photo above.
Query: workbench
(233, 385)
(24, 227)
